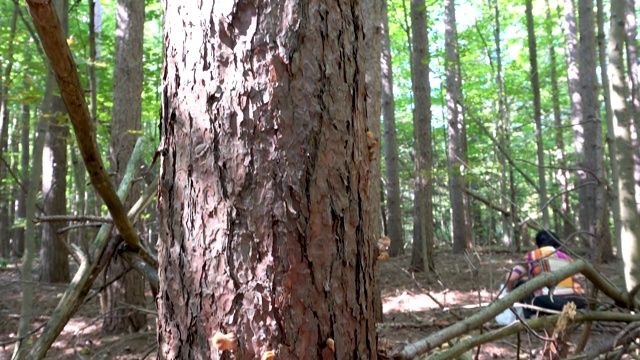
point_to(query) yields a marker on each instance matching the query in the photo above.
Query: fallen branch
(54, 218)
(487, 314)
(487, 202)
(91, 265)
(534, 324)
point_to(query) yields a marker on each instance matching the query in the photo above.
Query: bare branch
(54, 218)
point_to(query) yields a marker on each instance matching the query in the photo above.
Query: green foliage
(476, 22)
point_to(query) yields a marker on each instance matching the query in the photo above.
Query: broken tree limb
(55, 45)
(487, 202)
(512, 163)
(487, 314)
(90, 267)
(534, 324)
(52, 218)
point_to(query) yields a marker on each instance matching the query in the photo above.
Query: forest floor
(413, 308)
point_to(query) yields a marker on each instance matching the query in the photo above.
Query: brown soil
(414, 307)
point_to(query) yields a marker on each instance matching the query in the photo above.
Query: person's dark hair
(547, 238)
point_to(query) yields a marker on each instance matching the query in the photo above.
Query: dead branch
(487, 202)
(91, 265)
(534, 324)
(487, 314)
(512, 163)
(54, 218)
(65, 229)
(623, 339)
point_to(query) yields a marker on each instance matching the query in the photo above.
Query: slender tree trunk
(632, 65)
(21, 206)
(5, 86)
(372, 27)
(394, 210)
(609, 193)
(502, 129)
(125, 129)
(588, 132)
(26, 309)
(629, 218)
(537, 114)
(573, 74)
(54, 256)
(422, 252)
(561, 174)
(460, 226)
(263, 182)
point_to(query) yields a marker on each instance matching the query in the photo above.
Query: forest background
(518, 130)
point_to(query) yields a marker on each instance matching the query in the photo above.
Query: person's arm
(514, 275)
(512, 278)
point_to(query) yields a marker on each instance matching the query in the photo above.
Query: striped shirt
(544, 260)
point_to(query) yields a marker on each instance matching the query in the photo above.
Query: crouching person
(546, 258)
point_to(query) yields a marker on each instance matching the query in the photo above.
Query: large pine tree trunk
(394, 211)
(125, 129)
(264, 177)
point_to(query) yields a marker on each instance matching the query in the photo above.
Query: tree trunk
(634, 109)
(459, 222)
(372, 27)
(264, 177)
(587, 132)
(422, 252)
(609, 193)
(5, 85)
(503, 135)
(537, 114)
(26, 307)
(53, 253)
(629, 219)
(394, 210)
(632, 65)
(561, 175)
(125, 129)
(21, 201)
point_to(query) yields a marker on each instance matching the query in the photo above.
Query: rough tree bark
(394, 211)
(265, 168)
